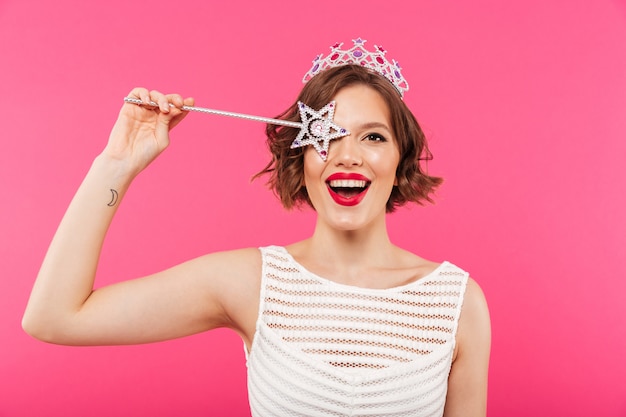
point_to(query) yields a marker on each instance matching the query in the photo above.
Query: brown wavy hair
(286, 168)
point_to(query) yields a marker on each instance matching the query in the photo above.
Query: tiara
(374, 61)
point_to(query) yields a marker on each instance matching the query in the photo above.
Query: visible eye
(375, 137)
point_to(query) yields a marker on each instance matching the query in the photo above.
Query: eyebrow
(372, 125)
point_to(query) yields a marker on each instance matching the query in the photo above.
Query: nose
(345, 151)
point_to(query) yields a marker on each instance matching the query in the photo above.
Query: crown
(374, 61)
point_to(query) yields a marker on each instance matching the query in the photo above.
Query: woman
(341, 323)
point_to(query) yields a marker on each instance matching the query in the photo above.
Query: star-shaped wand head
(318, 128)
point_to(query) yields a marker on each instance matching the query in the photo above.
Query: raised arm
(64, 308)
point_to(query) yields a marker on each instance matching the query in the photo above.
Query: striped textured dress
(327, 349)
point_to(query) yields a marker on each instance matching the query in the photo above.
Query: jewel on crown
(373, 60)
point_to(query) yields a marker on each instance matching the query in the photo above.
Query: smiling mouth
(347, 188)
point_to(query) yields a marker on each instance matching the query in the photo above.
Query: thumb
(162, 128)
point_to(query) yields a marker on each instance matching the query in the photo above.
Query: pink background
(524, 103)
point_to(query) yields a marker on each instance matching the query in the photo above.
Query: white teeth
(348, 183)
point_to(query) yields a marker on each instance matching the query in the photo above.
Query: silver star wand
(316, 127)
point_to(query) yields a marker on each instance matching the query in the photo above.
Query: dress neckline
(417, 282)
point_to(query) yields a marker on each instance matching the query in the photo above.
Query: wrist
(119, 172)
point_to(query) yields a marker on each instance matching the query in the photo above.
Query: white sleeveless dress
(327, 349)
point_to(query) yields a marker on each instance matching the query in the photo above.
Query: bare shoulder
(475, 302)
(244, 263)
(236, 272)
(467, 382)
(474, 322)
(228, 270)
(474, 294)
(235, 278)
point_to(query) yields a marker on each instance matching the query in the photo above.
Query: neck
(346, 252)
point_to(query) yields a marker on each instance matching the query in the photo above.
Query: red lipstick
(347, 189)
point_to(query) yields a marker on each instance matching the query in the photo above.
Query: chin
(350, 223)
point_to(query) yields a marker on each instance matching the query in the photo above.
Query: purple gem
(301, 105)
(357, 54)
(323, 153)
(397, 74)
(314, 69)
(331, 105)
(343, 131)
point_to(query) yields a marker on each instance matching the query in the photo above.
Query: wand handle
(224, 113)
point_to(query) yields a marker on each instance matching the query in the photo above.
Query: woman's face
(350, 190)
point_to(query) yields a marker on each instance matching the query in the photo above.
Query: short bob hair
(286, 168)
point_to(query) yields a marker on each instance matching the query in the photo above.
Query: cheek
(391, 167)
(386, 163)
(313, 166)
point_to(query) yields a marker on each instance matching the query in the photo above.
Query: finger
(176, 100)
(141, 94)
(161, 100)
(138, 92)
(144, 95)
(189, 101)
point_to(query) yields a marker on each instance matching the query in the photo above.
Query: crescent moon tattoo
(114, 197)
